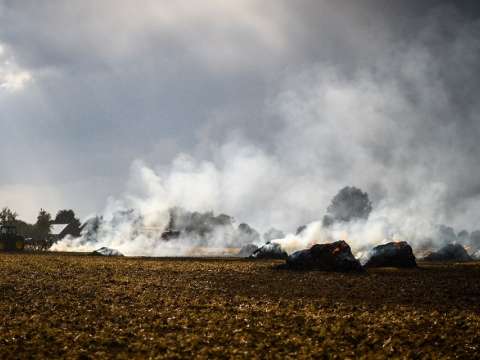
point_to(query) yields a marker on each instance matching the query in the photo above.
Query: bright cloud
(12, 76)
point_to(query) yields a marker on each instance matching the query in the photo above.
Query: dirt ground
(59, 305)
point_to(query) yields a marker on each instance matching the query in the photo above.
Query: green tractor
(10, 240)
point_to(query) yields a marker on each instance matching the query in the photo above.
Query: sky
(260, 109)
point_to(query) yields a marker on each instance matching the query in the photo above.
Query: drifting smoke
(399, 128)
(139, 223)
(136, 224)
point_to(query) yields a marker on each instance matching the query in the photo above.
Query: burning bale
(336, 256)
(247, 250)
(105, 251)
(393, 254)
(450, 252)
(269, 251)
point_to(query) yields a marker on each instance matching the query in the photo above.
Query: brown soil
(58, 305)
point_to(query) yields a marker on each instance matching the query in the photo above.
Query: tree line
(38, 234)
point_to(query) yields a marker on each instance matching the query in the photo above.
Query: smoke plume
(403, 127)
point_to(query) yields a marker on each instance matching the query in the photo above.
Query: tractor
(10, 240)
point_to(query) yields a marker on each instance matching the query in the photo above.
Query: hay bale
(393, 254)
(336, 256)
(450, 252)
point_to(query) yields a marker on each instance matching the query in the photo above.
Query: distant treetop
(349, 204)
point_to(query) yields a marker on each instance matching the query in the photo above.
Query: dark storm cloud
(115, 81)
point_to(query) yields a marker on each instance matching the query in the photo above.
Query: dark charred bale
(393, 254)
(336, 256)
(450, 252)
(247, 250)
(269, 251)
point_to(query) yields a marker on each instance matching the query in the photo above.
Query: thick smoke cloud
(267, 109)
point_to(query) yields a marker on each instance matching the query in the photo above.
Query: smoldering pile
(450, 252)
(353, 205)
(337, 256)
(393, 254)
(349, 212)
(447, 245)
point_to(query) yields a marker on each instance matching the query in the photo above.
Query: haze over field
(262, 110)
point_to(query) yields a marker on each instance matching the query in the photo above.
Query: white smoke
(134, 224)
(381, 129)
(388, 222)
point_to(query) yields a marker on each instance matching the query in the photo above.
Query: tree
(25, 229)
(41, 238)
(349, 204)
(68, 217)
(7, 216)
